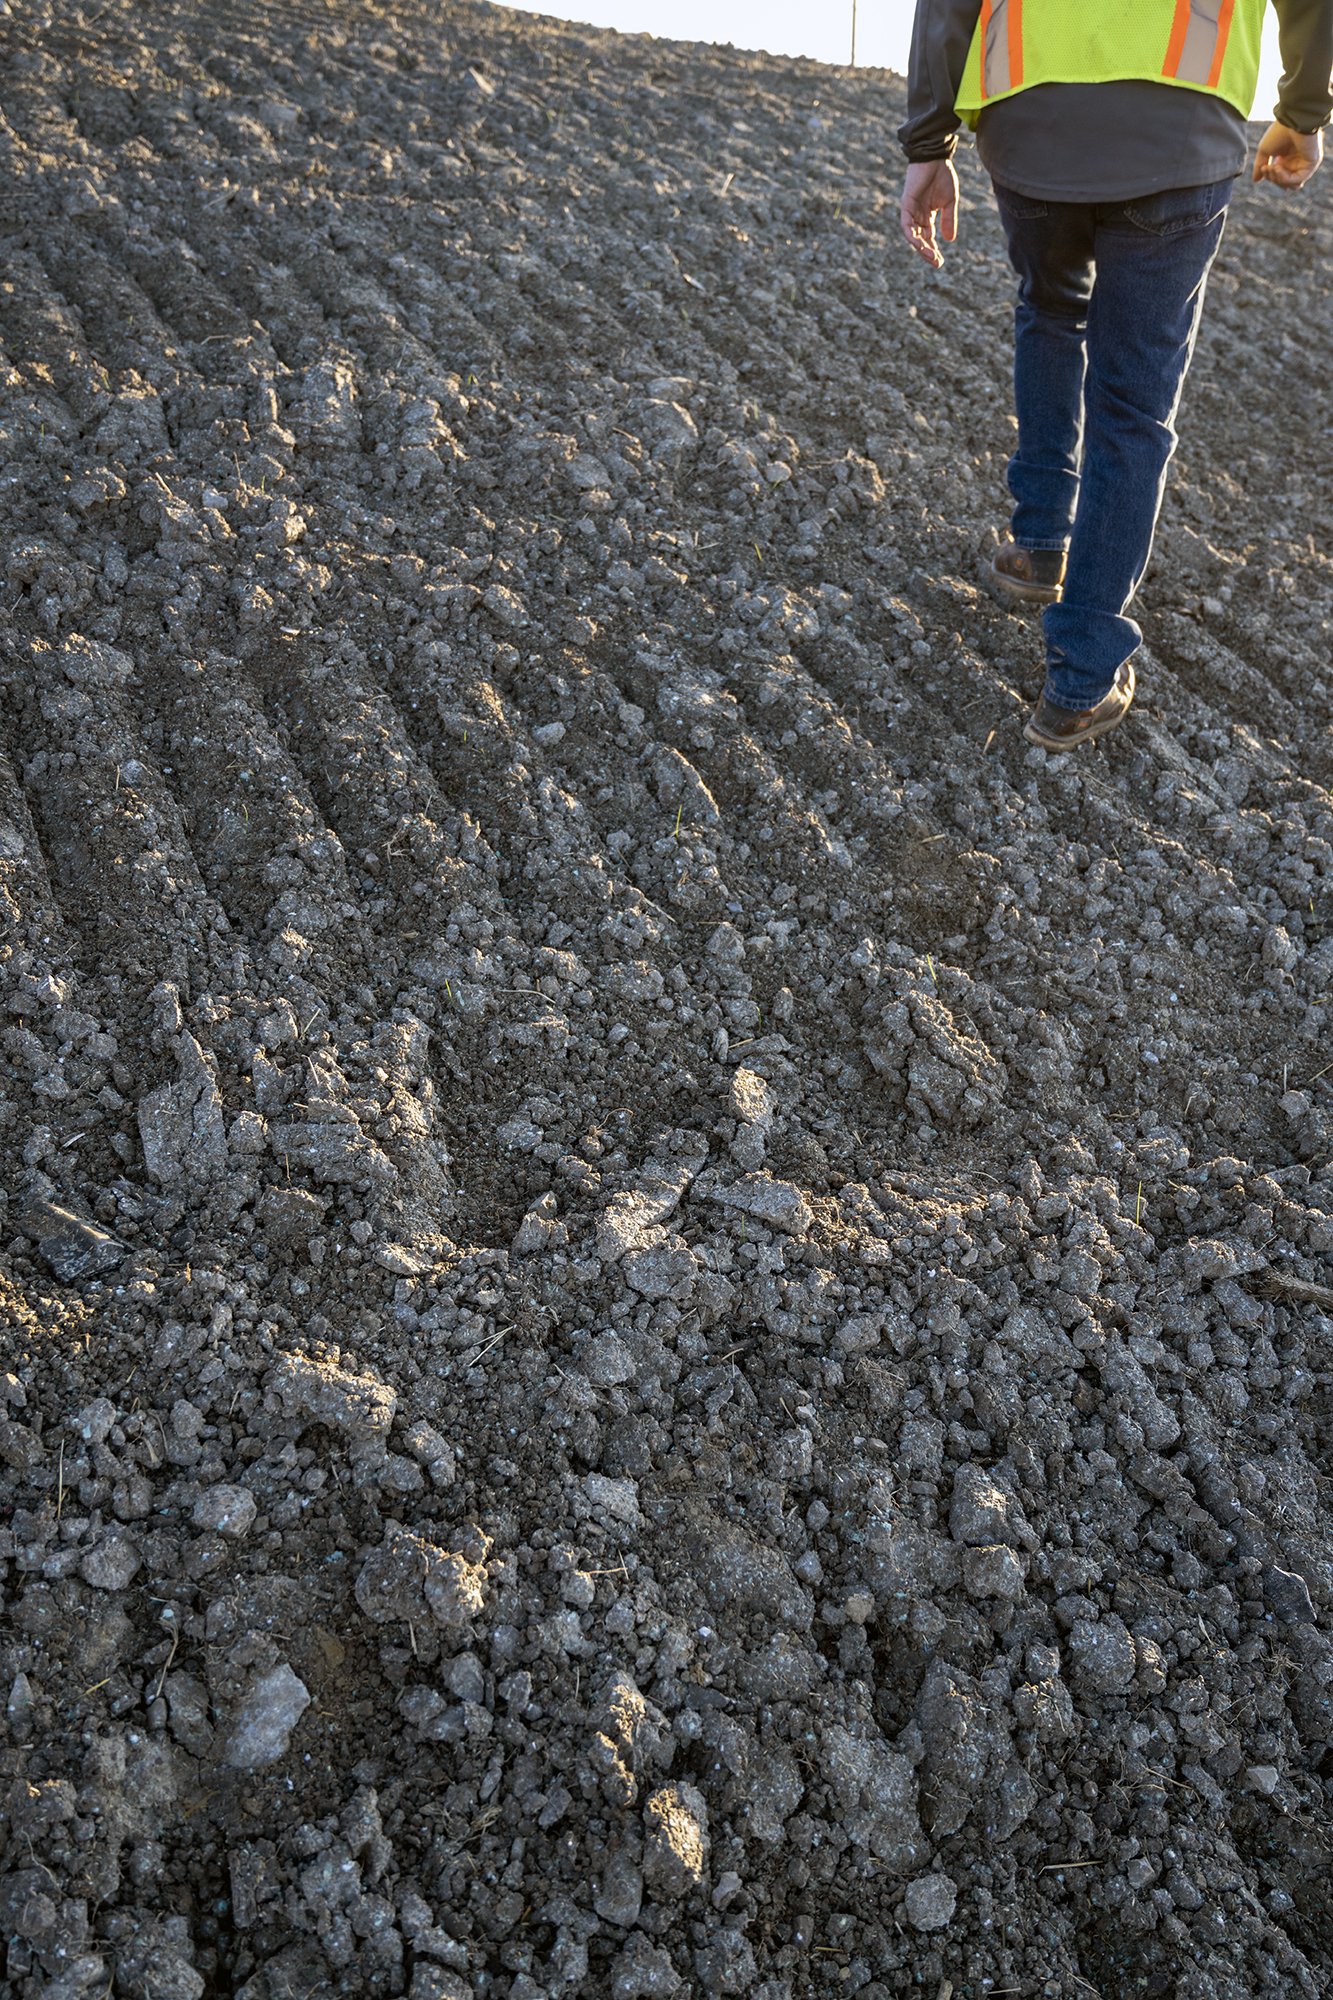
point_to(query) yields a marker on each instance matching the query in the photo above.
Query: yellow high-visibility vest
(1208, 45)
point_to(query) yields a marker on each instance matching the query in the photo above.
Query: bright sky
(883, 29)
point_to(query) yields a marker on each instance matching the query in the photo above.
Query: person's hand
(931, 189)
(1288, 158)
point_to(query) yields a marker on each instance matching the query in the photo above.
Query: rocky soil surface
(667, 1306)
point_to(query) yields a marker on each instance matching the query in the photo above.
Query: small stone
(225, 1510)
(95, 1422)
(931, 1901)
(113, 1563)
(1263, 1778)
(749, 1098)
(861, 1332)
(18, 1708)
(263, 1725)
(644, 1971)
(1289, 1597)
(464, 1677)
(729, 1887)
(437, 1982)
(859, 1608)
(433, 1451)
(675, 1855)
(1205, 1260)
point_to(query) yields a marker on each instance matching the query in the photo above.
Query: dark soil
(667, 1304)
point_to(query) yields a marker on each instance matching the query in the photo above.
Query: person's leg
(1152, 259)
(1050, 248)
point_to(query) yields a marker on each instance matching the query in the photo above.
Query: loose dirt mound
(666, 1301)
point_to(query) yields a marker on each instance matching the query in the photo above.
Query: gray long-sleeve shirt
(1105, 141)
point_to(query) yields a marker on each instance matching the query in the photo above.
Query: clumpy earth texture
(667, 1314)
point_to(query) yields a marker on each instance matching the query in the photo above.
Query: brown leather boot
(1028, 576)
(1056, 728)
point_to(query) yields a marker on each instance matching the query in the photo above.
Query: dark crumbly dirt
(667, 1305)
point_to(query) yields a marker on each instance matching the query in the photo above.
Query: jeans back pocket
(1022, 207)
(1174, 209)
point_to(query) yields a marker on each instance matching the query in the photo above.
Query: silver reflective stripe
(1196, 58)
(995, 54)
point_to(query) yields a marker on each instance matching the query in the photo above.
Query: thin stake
(853, 34)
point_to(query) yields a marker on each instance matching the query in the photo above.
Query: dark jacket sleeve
(1305, 33)
(941, 37)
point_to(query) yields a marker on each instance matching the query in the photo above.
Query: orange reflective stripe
(1175, 48)
(1015, 44)
(985, 47)
(1223, 30)
(1198, 44)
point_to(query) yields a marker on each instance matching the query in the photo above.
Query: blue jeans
(1108, 309)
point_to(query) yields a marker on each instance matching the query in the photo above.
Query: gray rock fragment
(931, 1901)
(263, 1723)
(95, 1421)
(290, 1216)
(1289, 1597)
(70, 1244)
(225, 1510)
(181, 1125)
(726, 1964)
(777, 1204)
(1204, 1260)
(969, 1771)
(775, 1789)
(113, 1562)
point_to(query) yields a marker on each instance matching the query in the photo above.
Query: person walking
(1113, 136)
